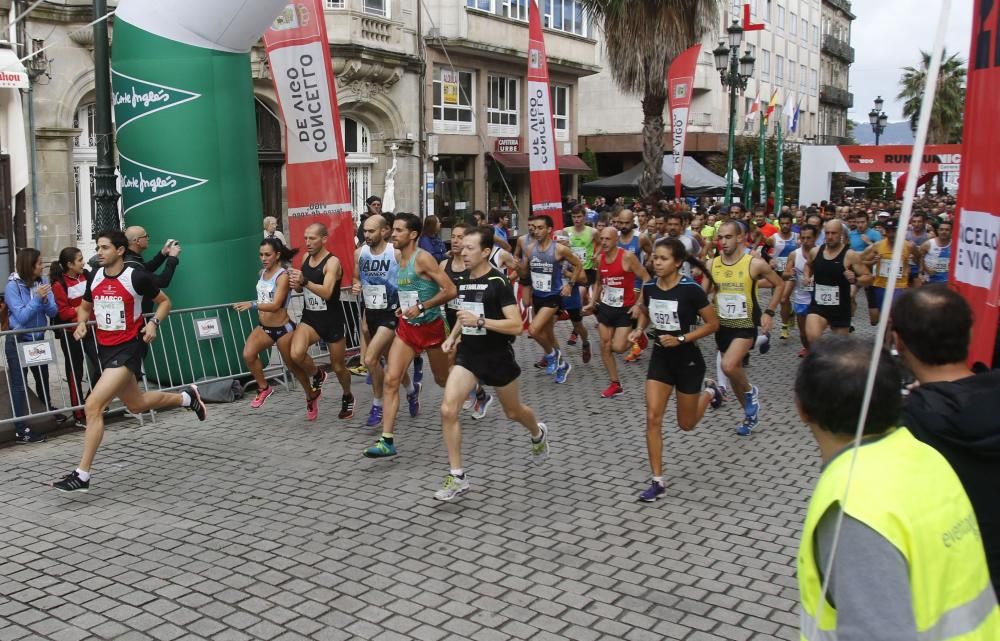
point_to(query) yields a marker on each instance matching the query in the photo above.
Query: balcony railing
(836, 96)
(837, 47)
(843, 5)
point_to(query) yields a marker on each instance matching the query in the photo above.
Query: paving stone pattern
(259, 525)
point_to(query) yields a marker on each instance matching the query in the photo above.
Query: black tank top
(832, 290)
(319, 313)
(451, 307)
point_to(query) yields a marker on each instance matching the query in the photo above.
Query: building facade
(476, 101)
(435, 89)
(837, 54)
(788, 64)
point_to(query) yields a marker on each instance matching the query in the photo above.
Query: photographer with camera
(138, 242)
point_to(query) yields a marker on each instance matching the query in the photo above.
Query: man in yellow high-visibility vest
(909, 564)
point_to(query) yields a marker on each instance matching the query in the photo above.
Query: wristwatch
(682, 339)
(420, 306)
(770, 312)
(480, 322)
(154, 320)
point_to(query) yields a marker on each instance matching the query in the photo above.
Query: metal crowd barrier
(193, 345)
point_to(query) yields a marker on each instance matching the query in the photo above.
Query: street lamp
(878, 119)
(105, 189)
(734, 71)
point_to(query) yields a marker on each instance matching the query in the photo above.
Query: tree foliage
(641, 39)
(749, 146)
(949, 98)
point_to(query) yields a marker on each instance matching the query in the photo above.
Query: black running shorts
(682, 367)
(496, 368)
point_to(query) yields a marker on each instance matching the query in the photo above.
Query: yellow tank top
(736, 293)
(884, 250)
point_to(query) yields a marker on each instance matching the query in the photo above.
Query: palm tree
(949, 97)
(642, 38)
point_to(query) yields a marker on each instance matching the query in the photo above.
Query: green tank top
(414, 289)
(582, 244)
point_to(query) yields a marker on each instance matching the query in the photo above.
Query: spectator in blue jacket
(430, 240)
(31, 303)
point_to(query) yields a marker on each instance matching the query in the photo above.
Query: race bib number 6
(109, 314)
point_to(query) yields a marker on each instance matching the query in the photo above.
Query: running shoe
(27, 437)
(540, 448)
(59, 417)
(713, 387)
(80, 420)
(765, 345)
(72, 483)
(746, 427)
(482, 405)
(358, 370)
(563, 315)
(318, 379)
(374, 416)
(562, 372)
(643, 342)
(418, 370)
(469, 402)
(614, 389)
(633, 355)
(346, 407)
(586, 352)
(785, 333)
(552, 363)
(572, 339)
(803, 352)
(413, 400)
(452, 488)
(197, 405)
(542, 363)
(312, 407)
(381, 449)
(262, 395)
(653, 492)
(725, 393)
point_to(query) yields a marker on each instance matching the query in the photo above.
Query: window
(453, 100)
(779, 68)
(781, 18)
(359, 163)
(802, 76)
(560, 111)
(793, 24)
(805, 31)
(812, 81)
(816, 35)
(765, 63)
(84, 120)
(335, 4)
(516, 9)
(84, 177)
(501, 106)
(377, 7)
(482, 5)
(767, 11)
(791, 74)
(565, 15)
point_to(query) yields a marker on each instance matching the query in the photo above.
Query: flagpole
(762, 176)
(779, 187)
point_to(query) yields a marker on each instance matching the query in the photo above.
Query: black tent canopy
(696, 180)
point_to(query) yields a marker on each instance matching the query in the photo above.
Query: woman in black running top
(671, 306)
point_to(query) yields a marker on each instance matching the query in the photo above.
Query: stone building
(787, 53)
(837, 54)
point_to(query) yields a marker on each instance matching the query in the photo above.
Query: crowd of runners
(659, 279)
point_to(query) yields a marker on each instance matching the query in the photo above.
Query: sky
(887, 36)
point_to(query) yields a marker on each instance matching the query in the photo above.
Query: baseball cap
(892, 223)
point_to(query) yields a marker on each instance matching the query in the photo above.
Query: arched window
(84, 169)
(357, 144)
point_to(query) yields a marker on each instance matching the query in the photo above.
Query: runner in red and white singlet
(113, 299)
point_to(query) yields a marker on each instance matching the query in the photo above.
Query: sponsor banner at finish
(316, 174)
(896, 158)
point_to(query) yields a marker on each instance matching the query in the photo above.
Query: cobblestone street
(259, 525)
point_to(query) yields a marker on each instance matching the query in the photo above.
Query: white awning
(12, 73)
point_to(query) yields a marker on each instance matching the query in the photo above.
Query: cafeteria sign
(508, 145)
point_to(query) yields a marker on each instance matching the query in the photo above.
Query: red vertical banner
(546, 193)
(680, 86)
(316, 173)
(977, 224)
